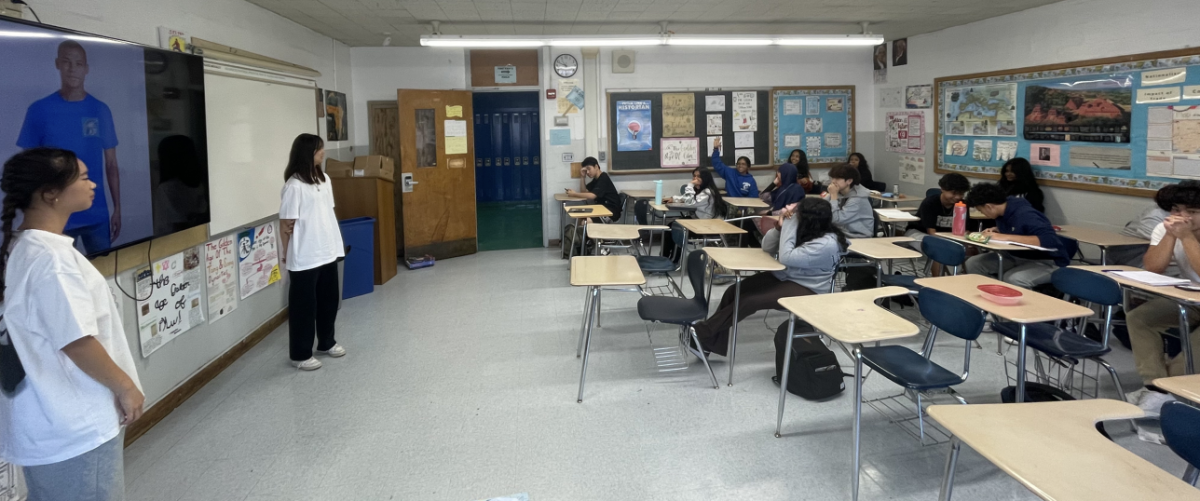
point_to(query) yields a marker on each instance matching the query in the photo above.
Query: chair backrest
(624, 201)
(641, 211)
(682, 189)
(1087, 286)
(1181, 428)
(951, 314)
(697, 265)
(943, 250)
(933, 191)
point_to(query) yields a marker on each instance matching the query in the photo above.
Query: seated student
(1017, 180)
(738, 182)
(700, 193)
(1017, 221)
(936, 212)
(800, 160)
(851, 201)
(601, 188)
(1178, 237)
(858, 161)
(1141, 226)
(808, 244)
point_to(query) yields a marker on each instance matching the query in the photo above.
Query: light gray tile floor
(460, 385)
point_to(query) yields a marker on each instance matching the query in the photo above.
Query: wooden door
(384, 132)
(438, 152)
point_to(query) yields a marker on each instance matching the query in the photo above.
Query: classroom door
(384, 133)
(437, 174)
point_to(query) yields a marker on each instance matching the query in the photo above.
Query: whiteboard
(252, 118)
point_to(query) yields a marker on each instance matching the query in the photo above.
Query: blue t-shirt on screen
(84, 127)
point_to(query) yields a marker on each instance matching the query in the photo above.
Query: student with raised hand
(858, 161)
(1017, 221)
(851, 201)
(68, 379)
(738, 182)
(601, 189)
(312, 244)
(1017, 180)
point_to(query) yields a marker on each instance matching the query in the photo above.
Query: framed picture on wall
(336, 126)
(320, 103)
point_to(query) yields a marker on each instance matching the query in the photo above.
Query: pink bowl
(1001, 295)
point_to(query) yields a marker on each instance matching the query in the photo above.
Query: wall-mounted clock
(565, 65)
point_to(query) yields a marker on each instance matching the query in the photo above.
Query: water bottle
(658, 192)
(960, 219)
(896, 190)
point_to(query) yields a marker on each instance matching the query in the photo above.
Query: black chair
(651, 264)
(682, 311)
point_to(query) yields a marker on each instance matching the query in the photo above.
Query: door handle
(406, 182)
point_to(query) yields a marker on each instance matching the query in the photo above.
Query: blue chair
(1181, 428)
(948, 253)
(682, 311)
(933, 191)
(1069, 345)
(914, 371)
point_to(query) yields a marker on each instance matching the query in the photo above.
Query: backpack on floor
(814, 373)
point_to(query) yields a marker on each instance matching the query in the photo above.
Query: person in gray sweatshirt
(851, 201)
(808, 244)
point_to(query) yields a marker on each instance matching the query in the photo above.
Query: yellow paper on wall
(453, 111)
(456, 145)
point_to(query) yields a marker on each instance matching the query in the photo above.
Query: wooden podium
(366, 188)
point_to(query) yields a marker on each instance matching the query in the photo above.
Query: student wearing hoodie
(1018, 221)
(702, 194)
(851, 201)
(738, 182)
(808, 244)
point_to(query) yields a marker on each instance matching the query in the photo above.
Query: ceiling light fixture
(494, 41)
(678, 40)
(604, 42)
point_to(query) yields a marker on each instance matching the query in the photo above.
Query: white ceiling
(368, 22)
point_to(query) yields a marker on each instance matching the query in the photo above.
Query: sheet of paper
(812, 125)
(678, 115)
(895, 214)
(957, 147)
(1150, 278)
(679, 152)
(982, 150)
(714, 103)
(743, 139)
(791, 140)
(1045, 154)
(172, 306)
(455, 128)
(833, 140)
(560, 137)
(812, 146)
(891, 97)
(835, 104)
(220, 267)
(1101, 157)
(812, 105)
(1018, 244)
(453, 111)
(745, 111)
(258, 258)
(748, 153)
(1191, 92)
(1164, 77)
(711, 140)
(565, 86)
(793, 106)
(715, 124)
(1159, 95)
(456, 145)
(912, 169)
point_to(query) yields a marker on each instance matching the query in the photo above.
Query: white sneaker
(1152, 402)
(311, 364)
(336, 352)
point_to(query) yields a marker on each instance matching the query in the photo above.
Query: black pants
(312, 309)
(759, 292)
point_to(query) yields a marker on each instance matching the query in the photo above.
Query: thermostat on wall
(568, 157)
(602, 156)
(562, 121)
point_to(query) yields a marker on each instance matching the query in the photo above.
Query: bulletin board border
(1087, 182)
(851, 109)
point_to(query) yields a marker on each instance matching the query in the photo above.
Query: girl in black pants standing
(312, 244)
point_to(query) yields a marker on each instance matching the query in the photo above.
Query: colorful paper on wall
(982, 150)
(634, 127)
(906, 132)
(918, 96)
(1044, 154)
(679, 152)
(565, 86)
(1006, 150)
(812, 105)
(560, 136)
(912, 169)
(171, 287)
(456, 146)
(258, 259)
(453, 111)
(220, 259)
(715, 124)
(745, 111)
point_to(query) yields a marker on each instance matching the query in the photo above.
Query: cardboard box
(367, 166)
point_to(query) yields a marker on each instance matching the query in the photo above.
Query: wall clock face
(565, 65)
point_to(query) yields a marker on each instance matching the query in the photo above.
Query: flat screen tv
(133, 114)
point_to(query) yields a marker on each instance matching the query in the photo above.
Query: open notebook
(1150, 278)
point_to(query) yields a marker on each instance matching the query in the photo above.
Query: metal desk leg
(1000, 266)
(562, 220)
(878, 274)
(587, 343)
(783, 378)
(737, 298)
(583, 235)
(583, 324)
(1103, 256)
(1185, 339)
(858, 363)
(683, 255)
(948, 476)
(1021, 367)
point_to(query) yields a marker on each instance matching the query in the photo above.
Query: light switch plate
(602, 156)
(568, 157)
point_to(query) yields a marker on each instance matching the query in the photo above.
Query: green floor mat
(509, 225)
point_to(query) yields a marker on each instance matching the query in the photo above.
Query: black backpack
(11, 370)
(814, 373)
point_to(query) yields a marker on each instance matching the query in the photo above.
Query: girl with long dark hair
(701, 193)
(858, 161)
(804, 176)
(68, 379)
(1017, 180)
(312, 244)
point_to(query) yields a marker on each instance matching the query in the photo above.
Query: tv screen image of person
(134, 115)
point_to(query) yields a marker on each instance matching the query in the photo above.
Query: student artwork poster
(171, 288)
(220, 259)
(634, 128)
(258, 259)
(87, 96)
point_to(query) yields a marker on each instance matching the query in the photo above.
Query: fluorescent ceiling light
(495, 41)
(719, 41)
(831, 40)
(25, 34)
(604, 42)
(480, 41)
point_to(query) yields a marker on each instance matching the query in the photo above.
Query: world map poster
(982, 110)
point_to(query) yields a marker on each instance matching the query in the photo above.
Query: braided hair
(25, 175)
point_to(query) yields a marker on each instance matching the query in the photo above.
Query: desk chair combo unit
(684, 313)
(594, 272)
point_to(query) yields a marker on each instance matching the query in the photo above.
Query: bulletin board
(649, 160)
(818, 120)
(1126, 125)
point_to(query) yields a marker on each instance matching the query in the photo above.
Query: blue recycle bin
(358, 277)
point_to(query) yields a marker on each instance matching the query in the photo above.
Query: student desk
(595, 272)
(636, 195)
(1033, 308)
(1054, 450)
(1183, 386)
(740, 260)
(562, 199)
(1181, 297)
(704, 228)
(1099, 238)
(619, 232)
(990, 246)
(891, 222)
(880, 250)
(745, 206)
(595, 211)
(896, 200)
(850, 318)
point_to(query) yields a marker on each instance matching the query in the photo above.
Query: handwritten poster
(220, 259)
(679, 115)
(793, 107)
(745, 111)
(906, 132)
(714, 103)
(258, 259)
(679, 152)
(912, 169)
(565, 86)
(172, 288)
(714, 124)
(812, 105)
(634, 127)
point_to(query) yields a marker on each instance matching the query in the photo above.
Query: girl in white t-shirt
(312, 244)
(62, 422)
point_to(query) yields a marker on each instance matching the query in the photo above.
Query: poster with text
(678, 115)
(220, 261)
(906, 132)
(745, 111)
(258, 259)
(634, 129)
(173, 289)
(912, 169)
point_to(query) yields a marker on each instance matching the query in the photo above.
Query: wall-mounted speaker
(623, 61)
